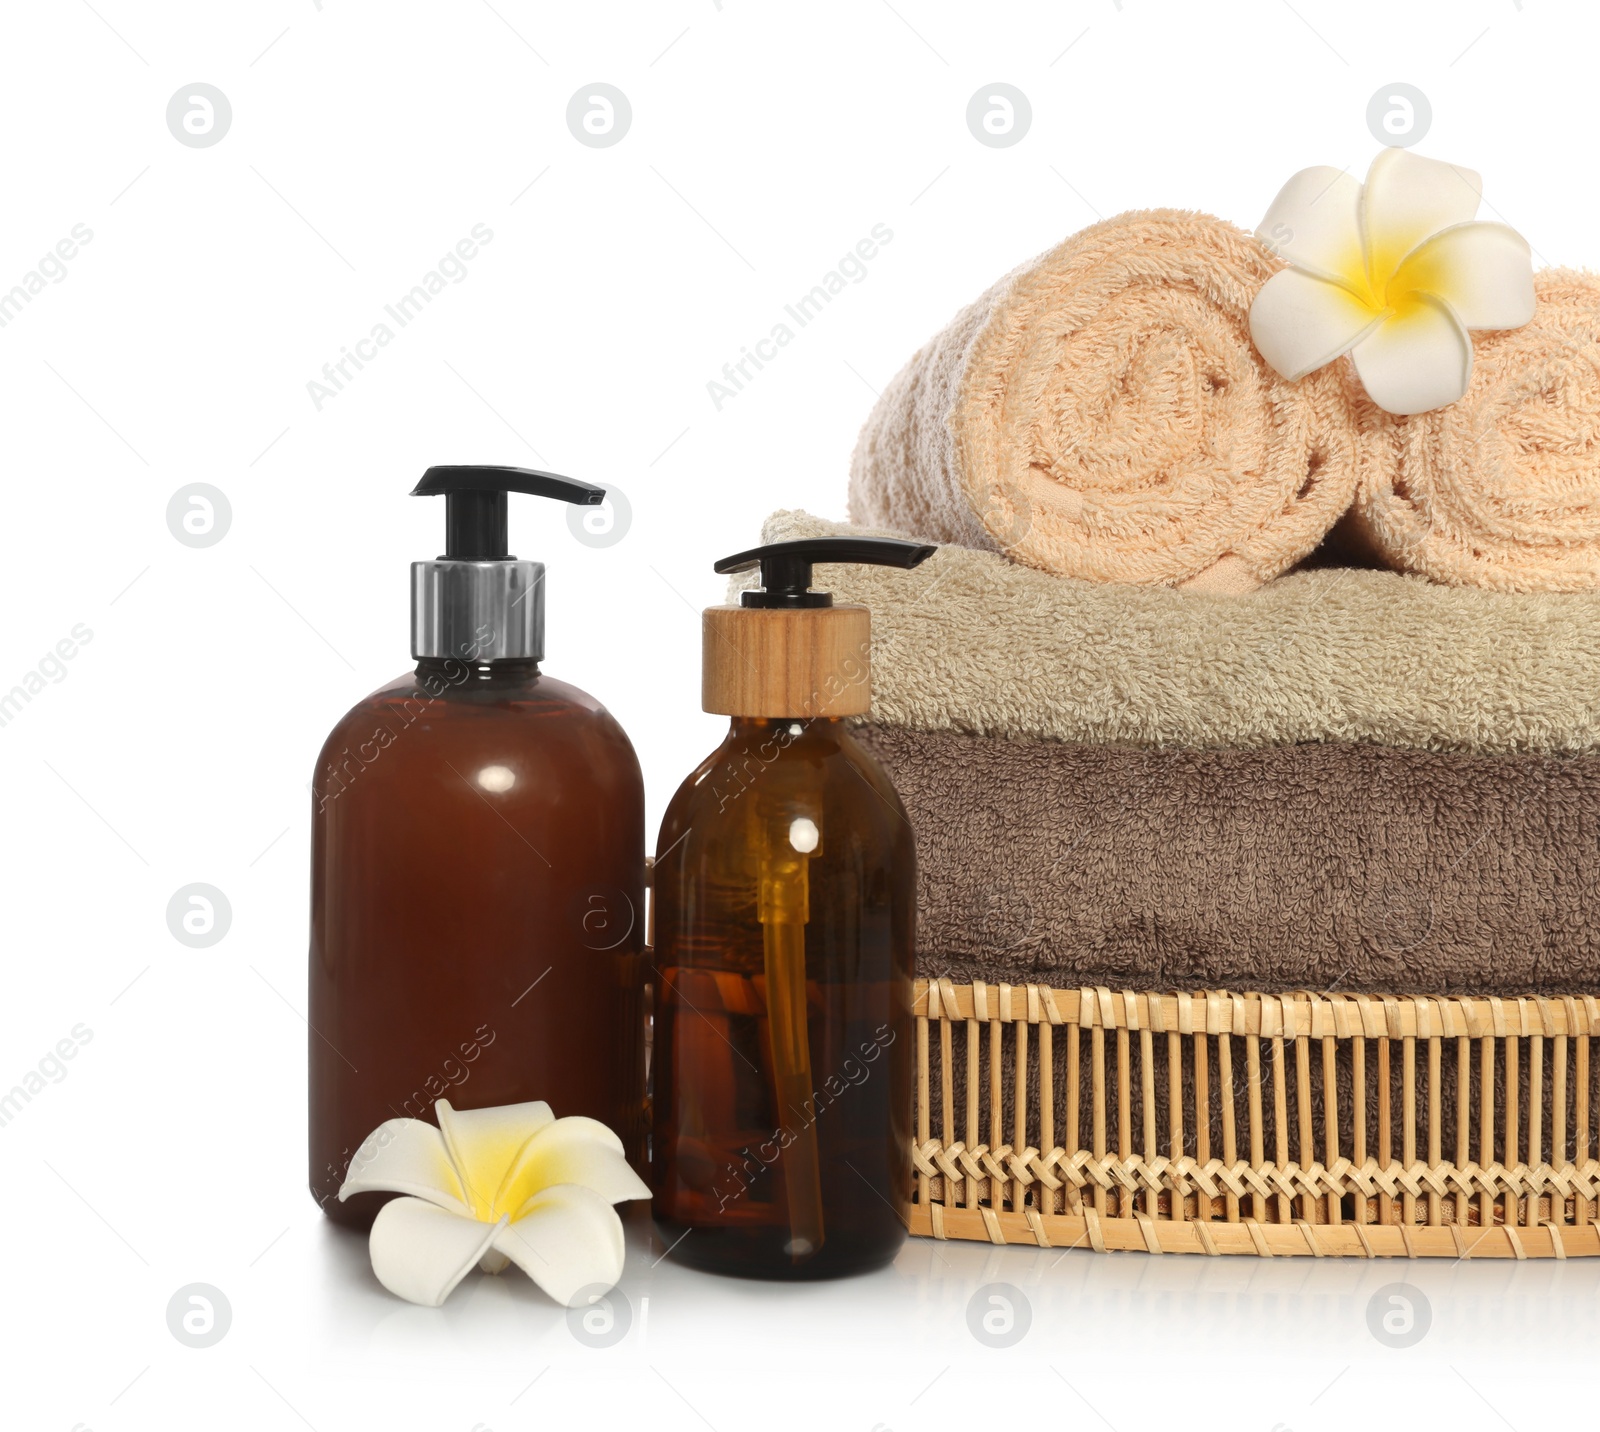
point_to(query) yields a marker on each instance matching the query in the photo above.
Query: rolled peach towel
(1102, 413)
(1500, 489)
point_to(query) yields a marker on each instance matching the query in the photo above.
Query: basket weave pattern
(1263, 1124)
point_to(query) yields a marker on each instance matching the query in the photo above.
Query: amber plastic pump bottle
(784, 917)
(477, 866)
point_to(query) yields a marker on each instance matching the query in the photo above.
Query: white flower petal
(405, 1156)
(1417, 360)
(484, 1143)
(1407, 199)
(1483, 271)
(420, 1252)
(1315, 223)
(568, 1238)
(571, 1150)
(1298, 322)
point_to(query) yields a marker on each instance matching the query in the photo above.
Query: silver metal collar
(478, 611)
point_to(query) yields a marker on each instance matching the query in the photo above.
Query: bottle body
(477, 911)
(781, 1066)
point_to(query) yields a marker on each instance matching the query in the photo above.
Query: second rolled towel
(1102, 413)
(1500, 489)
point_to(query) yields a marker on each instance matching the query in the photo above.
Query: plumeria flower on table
(512, 1184)
(1394, 272)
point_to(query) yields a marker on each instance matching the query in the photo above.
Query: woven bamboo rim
(997, 1172)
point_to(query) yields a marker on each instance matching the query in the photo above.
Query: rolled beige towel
(1102, 413)
(1500, 489)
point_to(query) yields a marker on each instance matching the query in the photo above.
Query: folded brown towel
(1321, 866)
(970, 641)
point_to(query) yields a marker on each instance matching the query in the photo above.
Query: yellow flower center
(1390, 287)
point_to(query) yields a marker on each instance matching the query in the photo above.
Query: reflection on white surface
(1132, 1337)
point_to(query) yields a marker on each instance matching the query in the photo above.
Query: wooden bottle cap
(786, 661)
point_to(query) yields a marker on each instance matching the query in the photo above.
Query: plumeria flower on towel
(1393, 272)
(491, 1186)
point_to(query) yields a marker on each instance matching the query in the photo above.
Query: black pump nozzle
(475, 504)
(786, 566)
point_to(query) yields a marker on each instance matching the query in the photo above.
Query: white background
(766, 140)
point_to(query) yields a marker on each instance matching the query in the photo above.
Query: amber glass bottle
(785, 908)
(477, 875)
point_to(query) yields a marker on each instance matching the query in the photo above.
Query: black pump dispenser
(477, 603)
(786, 566)
(475, 504)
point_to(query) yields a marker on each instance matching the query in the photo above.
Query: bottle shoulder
(785, 761)
(449, 691)
(527, 711)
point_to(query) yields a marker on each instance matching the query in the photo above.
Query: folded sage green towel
(972, 642)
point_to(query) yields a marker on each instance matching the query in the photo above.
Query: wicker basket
(1254, 1123)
